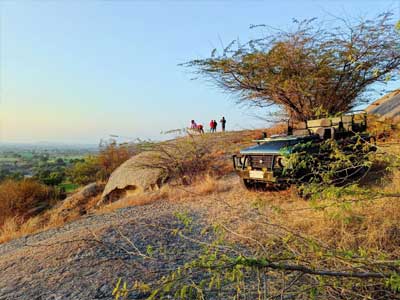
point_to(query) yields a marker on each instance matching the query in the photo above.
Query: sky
(79, 71)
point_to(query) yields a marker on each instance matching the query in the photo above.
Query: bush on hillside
(112, 155)
(184, 159)
(99, 167)
(49, 177)
(333, 163)
(19, 198)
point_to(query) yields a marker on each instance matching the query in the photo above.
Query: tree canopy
(312, 70)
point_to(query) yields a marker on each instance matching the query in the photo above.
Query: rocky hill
(92, 244)
(84, 259)
(387, 107)
(348, 233)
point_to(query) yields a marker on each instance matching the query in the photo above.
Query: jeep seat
(319, 123)
(325, 132)
(301, 132)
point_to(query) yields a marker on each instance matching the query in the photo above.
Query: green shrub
(84, 172)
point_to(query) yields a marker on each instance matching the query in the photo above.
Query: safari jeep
(263, 164)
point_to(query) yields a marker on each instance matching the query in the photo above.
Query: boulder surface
(387, 107)
(132, 176)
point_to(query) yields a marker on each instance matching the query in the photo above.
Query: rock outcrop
(79, 200)
(132, 177)
(387, 107)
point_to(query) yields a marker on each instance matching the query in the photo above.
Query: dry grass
(57, 216)
(22, 198)
(368, 224)
(175, 193)
(137, 200)
(15, 227)
(206, 186)
(9, 230)
(20, 205)
(347, 223)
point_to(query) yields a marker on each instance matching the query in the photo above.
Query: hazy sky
(77, 71)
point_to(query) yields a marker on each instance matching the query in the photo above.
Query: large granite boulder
(134, 175)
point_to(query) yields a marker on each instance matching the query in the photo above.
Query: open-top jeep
(264, 164)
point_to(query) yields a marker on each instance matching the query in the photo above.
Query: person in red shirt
(212, 127)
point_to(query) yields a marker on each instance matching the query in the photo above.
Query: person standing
(193, 125)
(223, 123)
(212, 128)
(215, 125)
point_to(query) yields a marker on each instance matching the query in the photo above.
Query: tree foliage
(86, 171)
(50, 177)
(312, 70)
(112, 155)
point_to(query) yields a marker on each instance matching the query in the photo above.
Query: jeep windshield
(275, 146)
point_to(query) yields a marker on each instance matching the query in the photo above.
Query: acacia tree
(312, 70)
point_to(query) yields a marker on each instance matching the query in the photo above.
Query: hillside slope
(85, 258)
(388, 106)
(135, 238)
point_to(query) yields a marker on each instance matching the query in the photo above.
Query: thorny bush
(183, 160)
(315, 167)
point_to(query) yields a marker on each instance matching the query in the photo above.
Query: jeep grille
(261, 161)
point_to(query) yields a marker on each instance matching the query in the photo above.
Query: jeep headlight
(282, 161)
